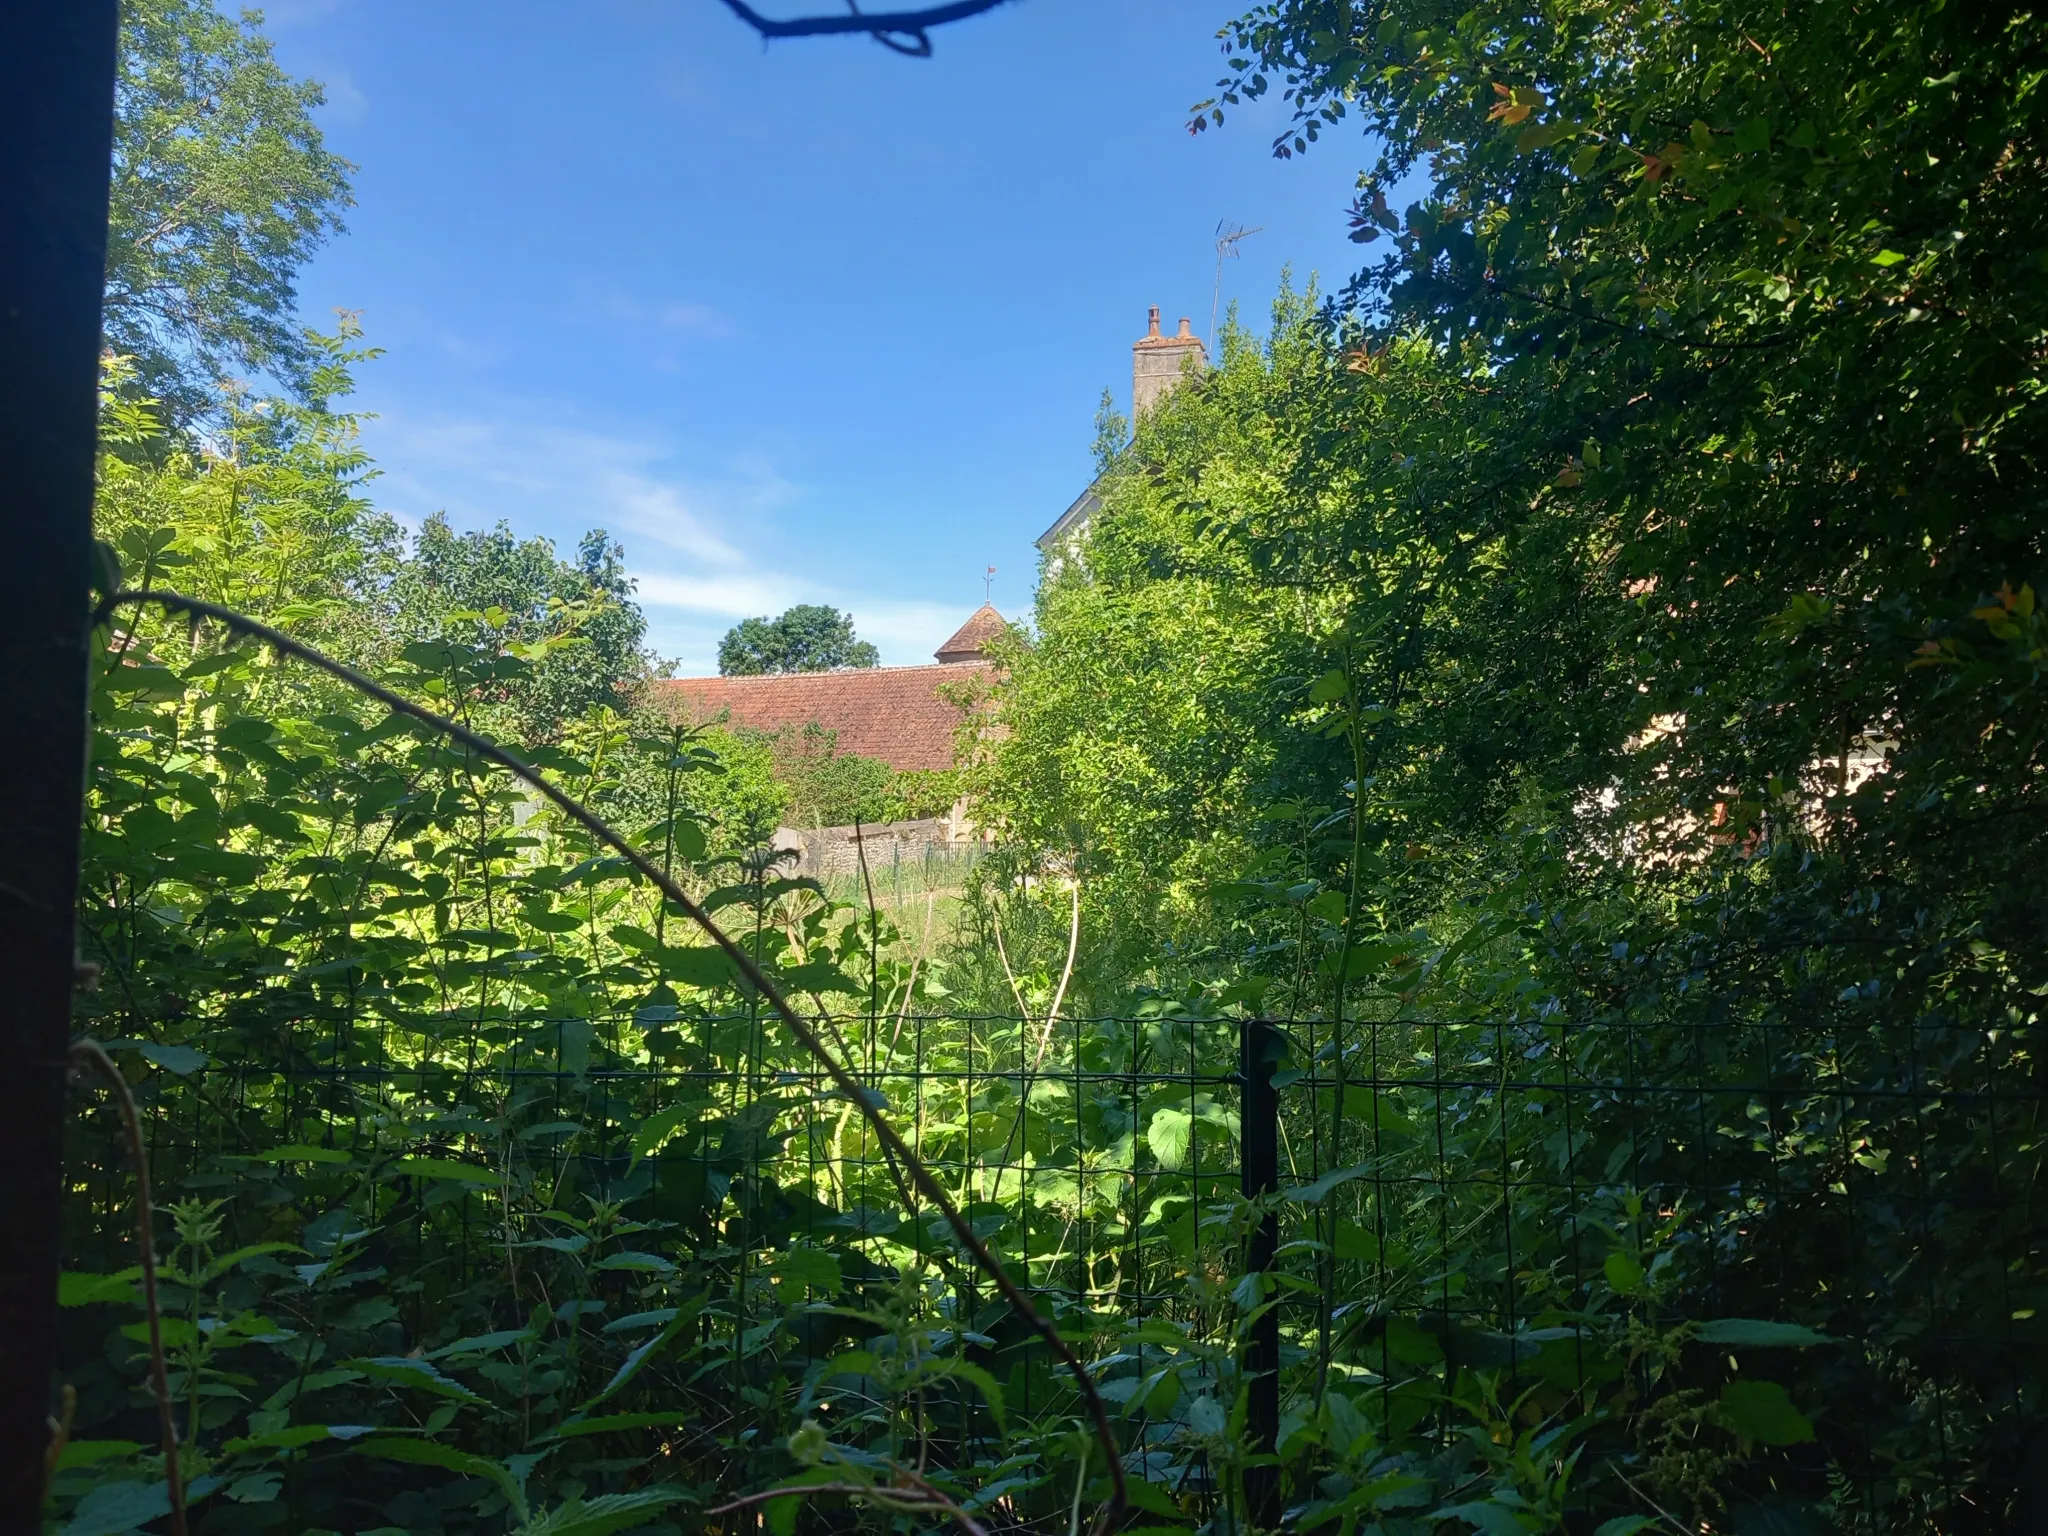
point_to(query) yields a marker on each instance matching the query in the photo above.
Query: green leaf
(656, 1129)
(405, 1371)
(1494, 1519)
(810, 1269)
(1206, 1417)
(176, 1332)
(1762, 1411)
(974, 1375)
(272, 821)
(241, 1256)
(181, 1059)
(299, 1152)
(444, 1168)
(432, 1453)
(605, 1513)
(1315, 1193)
(256, 1488)
(482, 1343)
(1887, 258)
(630, 1367)
(113, 1509)
(1624, 1273)
(1624, 1525)
(146, 680)
(75, 1289)
(1330, 687)
(1153, 1500)
(1168, 1135)
(90, 1453)
(701, 966)
(298, 1435)
(658, 1318)
(781, 1515)
(651, 1262)
(1740, 1331)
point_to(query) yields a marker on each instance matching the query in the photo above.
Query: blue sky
(805, 323)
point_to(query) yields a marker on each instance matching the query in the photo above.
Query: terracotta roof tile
(971, 638)
(896, 714)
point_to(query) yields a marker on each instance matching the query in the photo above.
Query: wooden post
(56, 134)
(1259, 1121)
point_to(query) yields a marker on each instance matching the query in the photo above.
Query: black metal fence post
(56, 129)
(1258, 1047)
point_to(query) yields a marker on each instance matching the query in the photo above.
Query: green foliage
(1112, 433)
(806, 638)
(1586, 683)
(826, 787)
(1620, 612)
(575, 622)
(222, 189)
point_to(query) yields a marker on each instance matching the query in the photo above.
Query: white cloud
(910, 630)
(696, 576)
(735, 595)
(346, 102)
(548, 477)
(699, 319)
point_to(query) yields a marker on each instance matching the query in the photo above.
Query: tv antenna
(1227, 237)
(988, 587)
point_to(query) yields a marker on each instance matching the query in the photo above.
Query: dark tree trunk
(56, 132)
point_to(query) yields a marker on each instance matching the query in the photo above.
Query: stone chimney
(1159, 362)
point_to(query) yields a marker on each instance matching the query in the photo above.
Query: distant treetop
(807, 638)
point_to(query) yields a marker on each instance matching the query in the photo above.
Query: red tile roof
(972, 638)
(896, 714)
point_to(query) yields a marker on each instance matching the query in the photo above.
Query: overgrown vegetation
(1584, 682)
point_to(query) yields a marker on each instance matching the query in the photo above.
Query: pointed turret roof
(972, 638)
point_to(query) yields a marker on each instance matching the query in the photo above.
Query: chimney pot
(1159, 362)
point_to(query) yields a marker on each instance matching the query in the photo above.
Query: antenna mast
(1227, 237)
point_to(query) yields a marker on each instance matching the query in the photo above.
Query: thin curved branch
(908, 32)
(88, 1053)
(920, 1176)
(1059, 995)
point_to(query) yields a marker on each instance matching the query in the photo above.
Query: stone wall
(823, 851)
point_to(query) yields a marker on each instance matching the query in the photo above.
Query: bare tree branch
(905, 31)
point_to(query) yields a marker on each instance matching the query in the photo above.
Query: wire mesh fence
(1535, 1219)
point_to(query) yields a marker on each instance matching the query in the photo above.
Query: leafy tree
(1112, 433)
(222, 189)
(490, 588)
(268, 513)
(1652, 542)
(828, 787)
(809, 637)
